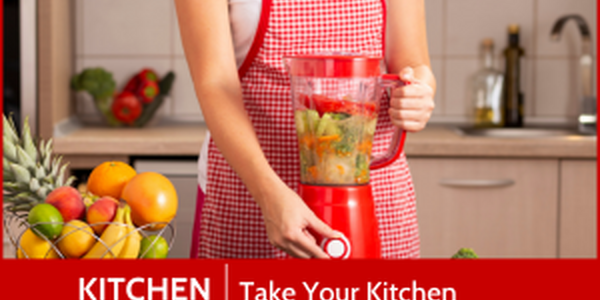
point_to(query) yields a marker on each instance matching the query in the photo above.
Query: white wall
(124, 36)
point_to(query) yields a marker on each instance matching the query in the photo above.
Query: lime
(46, 221)
(154, 247)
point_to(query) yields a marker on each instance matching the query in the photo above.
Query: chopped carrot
(329, 138)
(313, 171)
(341, 169)
(307, 140)
(365, 146)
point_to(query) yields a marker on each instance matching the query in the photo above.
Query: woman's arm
(408, 55)
(207, 41)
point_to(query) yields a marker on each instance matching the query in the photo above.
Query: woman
(248, 208)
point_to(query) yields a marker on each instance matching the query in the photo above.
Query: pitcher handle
(397, 143)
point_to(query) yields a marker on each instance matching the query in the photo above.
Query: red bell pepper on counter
(148, 74)
(144, 85)
(126, 107)
(147, 90)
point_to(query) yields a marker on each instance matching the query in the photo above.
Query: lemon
(32, 246)
(76, 239)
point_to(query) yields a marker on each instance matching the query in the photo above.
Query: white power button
(337, 248)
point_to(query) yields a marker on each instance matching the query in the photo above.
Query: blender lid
(335, 65)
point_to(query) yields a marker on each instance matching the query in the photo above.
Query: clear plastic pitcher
(336, 104)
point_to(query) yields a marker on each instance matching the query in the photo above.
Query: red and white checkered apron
(232, 225)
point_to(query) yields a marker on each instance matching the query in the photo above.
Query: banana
(131, 249)
(113, 238)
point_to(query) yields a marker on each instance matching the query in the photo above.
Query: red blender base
(349, 210)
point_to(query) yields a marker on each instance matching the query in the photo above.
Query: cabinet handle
(476, 183)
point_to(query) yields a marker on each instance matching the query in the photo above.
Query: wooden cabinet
(578, 207)
(499, 207)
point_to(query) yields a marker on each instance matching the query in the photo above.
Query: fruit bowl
(20, 234)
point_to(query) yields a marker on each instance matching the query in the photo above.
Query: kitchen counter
(440, 141)
(171, 139)
(174, 139)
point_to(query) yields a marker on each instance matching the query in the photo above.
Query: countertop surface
(434, 141)
(163, 139)
(446, 141)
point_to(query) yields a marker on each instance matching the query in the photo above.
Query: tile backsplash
(125, 36)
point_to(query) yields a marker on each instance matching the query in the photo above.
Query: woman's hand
(411, 105)
(287, 219)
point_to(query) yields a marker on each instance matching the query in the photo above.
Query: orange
(109, 178)
(152, 198)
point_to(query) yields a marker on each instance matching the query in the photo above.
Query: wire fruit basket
(15, 226)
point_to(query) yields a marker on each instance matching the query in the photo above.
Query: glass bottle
(513, 97)
(487, 89)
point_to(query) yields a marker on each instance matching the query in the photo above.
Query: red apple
(102, 211)
(68, 201)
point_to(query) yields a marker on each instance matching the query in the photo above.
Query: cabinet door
(498, 207)
(578, 209)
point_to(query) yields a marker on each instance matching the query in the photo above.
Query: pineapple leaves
(21, 174)
(9, 130)
(24, 160)
(9, 149)
(31, 172)
(28, 144)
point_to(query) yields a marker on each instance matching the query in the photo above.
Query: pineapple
(30, 172)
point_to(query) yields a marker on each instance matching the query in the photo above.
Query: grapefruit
(152, 198)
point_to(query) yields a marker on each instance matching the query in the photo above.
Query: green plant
(465, 253)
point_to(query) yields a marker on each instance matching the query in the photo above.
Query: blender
(336, 102)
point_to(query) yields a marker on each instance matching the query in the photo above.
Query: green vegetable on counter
(465, 253)
(100, 84)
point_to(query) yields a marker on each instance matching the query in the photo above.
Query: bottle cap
(513, 28)
(487, 43)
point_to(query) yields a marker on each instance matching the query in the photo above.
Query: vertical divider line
(226, 281)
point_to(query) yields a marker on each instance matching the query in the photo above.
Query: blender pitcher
(336, 102)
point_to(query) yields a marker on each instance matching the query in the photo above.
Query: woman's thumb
(407, 74)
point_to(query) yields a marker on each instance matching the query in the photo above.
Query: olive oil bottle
(486, 90)
(512, 95)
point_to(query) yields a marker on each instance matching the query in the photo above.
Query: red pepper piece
(126, 107)
(132, 84)
(148, 74)
(147, 90)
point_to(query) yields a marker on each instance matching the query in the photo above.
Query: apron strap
(258, 38)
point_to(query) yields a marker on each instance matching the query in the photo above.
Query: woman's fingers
(411, 104)
(413, 90)
(408, 115)
(408, 125)
(301, 244)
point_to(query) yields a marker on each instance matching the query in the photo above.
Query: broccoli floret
(96, 81)
(465, 253)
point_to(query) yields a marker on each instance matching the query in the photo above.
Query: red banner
(299, 279)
